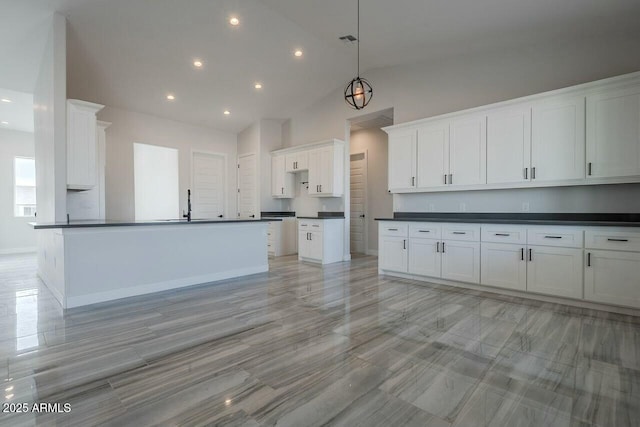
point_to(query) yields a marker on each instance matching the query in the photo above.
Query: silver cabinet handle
(442, 247)
(503, 234)
(438, 247)
(530, 254)
(450, 178)
(315, 225)
(526, 173)
(321, 188)
(413, 181)
(618, 240)
(404, 244)
(282, 190)
(522, 254)
(445, 178)
(553, 237)
(424, 231)
(533, 172)
(459, 232)
(589, 259)
(392, 229)
(590, 168)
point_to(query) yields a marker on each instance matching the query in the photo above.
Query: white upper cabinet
(509, 145)
(296, 162)
(558, 139)
(613, 133)
(402, 159)
(82, 144)
(468, 151)
(326, 171)
(282, 183)
(432, 157)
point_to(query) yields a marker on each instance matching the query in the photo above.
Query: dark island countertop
(111, 223)
(575, 219)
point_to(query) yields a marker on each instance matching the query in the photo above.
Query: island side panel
(104, 264)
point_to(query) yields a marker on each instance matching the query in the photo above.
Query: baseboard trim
(56, 294)
(524, 295)
(150, 288)
(14, 251)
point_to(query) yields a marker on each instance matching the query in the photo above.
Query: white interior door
(247, 187)
(358, 203)
(208, 184)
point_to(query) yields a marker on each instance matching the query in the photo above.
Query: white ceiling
(131, 53)
(18, 113)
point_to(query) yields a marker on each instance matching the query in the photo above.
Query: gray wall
(430, 88)
(15, 233)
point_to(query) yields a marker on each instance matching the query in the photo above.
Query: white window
(155, 171)
(25, 186)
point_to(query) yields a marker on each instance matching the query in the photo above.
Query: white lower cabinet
(461, 261)
(393, 253)
(612, 277)
(504, 265)
(320, 241)
(425, 257)
(555, 271)
(282, 237)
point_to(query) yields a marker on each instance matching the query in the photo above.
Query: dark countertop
(576, 219)
(109, 223)
(320, 217)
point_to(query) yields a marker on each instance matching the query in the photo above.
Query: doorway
(208, 185)
(247, 186)
(359, 227)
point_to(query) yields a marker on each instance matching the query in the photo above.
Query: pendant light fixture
(358, 92)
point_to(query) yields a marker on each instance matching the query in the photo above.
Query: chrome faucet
(188, 214)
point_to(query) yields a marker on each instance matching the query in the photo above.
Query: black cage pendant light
(358, 92)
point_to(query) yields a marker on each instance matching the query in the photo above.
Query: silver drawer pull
(392, 229)
(618, 240)
(503, 234)
(315, 225)
(424, 231)
(553, 237)
(459, 232)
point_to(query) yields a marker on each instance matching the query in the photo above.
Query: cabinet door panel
(303, 244)
(315, 172)
(393, 253)
(424, 257)
(277, 176)
(613, 278)
(290, 162)
(468, 151)
(433, 155)
(558, 140)
(613, 133)
(504, 266)
(509, 146)
(461, 261)
(555, 271)
(316, 245)
(402, 160)
(326, 170)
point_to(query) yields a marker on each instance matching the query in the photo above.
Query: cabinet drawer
(617, 240)
(311, 225)
(400, 229)
(461, 232)
(425, 230)
(506, 233)
(556, 236)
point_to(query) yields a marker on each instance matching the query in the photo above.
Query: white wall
(128, 127)
(15, 233)
(50, 127)
(379, 201)
(431, 88)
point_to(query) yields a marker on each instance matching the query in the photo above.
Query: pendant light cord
(358, 38)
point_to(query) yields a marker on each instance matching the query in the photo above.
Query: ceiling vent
(348, 39)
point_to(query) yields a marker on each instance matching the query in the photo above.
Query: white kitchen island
(90, 262)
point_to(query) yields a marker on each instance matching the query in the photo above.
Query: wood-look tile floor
(305, 345)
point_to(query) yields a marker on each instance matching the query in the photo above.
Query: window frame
(15, 188)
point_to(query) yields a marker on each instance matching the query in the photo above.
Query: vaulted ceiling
(132, 53)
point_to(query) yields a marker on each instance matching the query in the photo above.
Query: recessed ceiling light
(234, 21)
(197, 63)
(171, 97)
(298, 53)
(4, 122)
(258, 85)
(226, 112)
(6, 100)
